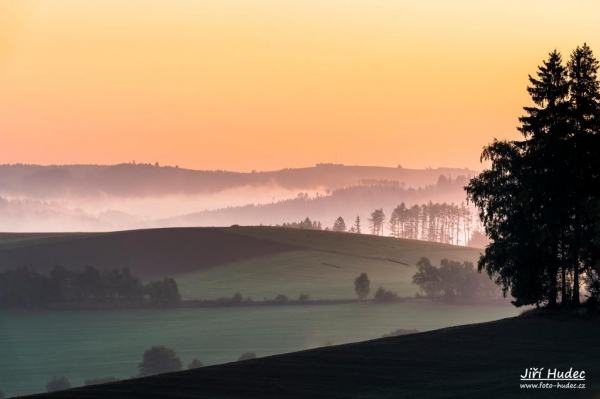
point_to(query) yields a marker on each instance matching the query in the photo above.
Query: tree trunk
(563, 288)
(552, 278)
(576, 282)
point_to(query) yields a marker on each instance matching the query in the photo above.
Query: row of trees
(25, 287)
(437, 222)
(539, 202)
(451, 282)
(454, 281)
(304, 224)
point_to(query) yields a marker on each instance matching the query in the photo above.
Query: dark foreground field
(473, 361)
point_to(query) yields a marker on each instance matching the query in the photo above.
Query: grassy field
(467, 362)
(88, 344)
(259, 262)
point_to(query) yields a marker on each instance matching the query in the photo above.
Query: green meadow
(208, 263)
(89, 344)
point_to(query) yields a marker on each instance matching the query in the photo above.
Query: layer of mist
(129, 196)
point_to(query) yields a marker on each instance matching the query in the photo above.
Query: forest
(27, 288)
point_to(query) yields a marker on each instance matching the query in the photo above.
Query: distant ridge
(139, 180)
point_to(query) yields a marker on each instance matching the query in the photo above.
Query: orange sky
(267, 84)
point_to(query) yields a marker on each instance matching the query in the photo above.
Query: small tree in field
(159, 359)
(2, 395)
(58, 384)
(362, 286)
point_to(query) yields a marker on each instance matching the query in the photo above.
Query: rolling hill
(138, 180)
(257, 261)
(471, 361)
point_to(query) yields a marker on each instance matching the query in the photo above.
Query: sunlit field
(89, 344)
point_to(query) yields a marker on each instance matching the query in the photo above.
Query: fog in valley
(133, 196)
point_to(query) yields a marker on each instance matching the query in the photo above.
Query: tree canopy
(157, 360)
(362, 286)
(538, 202)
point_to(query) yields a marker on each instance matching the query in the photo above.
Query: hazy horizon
(262, 85)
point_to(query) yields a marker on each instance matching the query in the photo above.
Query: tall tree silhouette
(536, 202)
(376, 221)
(357, 225)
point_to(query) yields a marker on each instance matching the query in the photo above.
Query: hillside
(257, 261)
(140, 180)
(471, 361)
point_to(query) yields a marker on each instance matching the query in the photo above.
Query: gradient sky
(267, 84)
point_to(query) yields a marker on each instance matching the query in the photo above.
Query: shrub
(247, 356)
(281, 298)
(382, 295)
(303, 298)
(58, 384)
(157, 360)
(237, 297)
(195, 364)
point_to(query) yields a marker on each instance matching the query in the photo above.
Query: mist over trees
(444, 223)
(540, 200)
(25, 287)
(58, 384)
(454, 282)
(148, 179)
(356, 199)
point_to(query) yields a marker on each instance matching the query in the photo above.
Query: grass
(90, 344)
(293, 273)
(361, 245)
(467, 362)
(260, 262)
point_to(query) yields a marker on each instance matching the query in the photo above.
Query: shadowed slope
(473, 361)
(158, 252)
(149, 253)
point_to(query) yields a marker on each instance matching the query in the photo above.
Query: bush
(58, 384)
(237, 297)
(303, 298)
(247, 356)
(382, 295)
(195, 364)
(102, 380)
(281, 298)
(157, 360)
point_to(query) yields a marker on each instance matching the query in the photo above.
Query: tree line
(539, 202)
(451, 282)
(435, 222)
(25, 287)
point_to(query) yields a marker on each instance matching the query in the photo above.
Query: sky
(267, 84)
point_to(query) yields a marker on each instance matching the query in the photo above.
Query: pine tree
(357, 225)
(339, 225)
